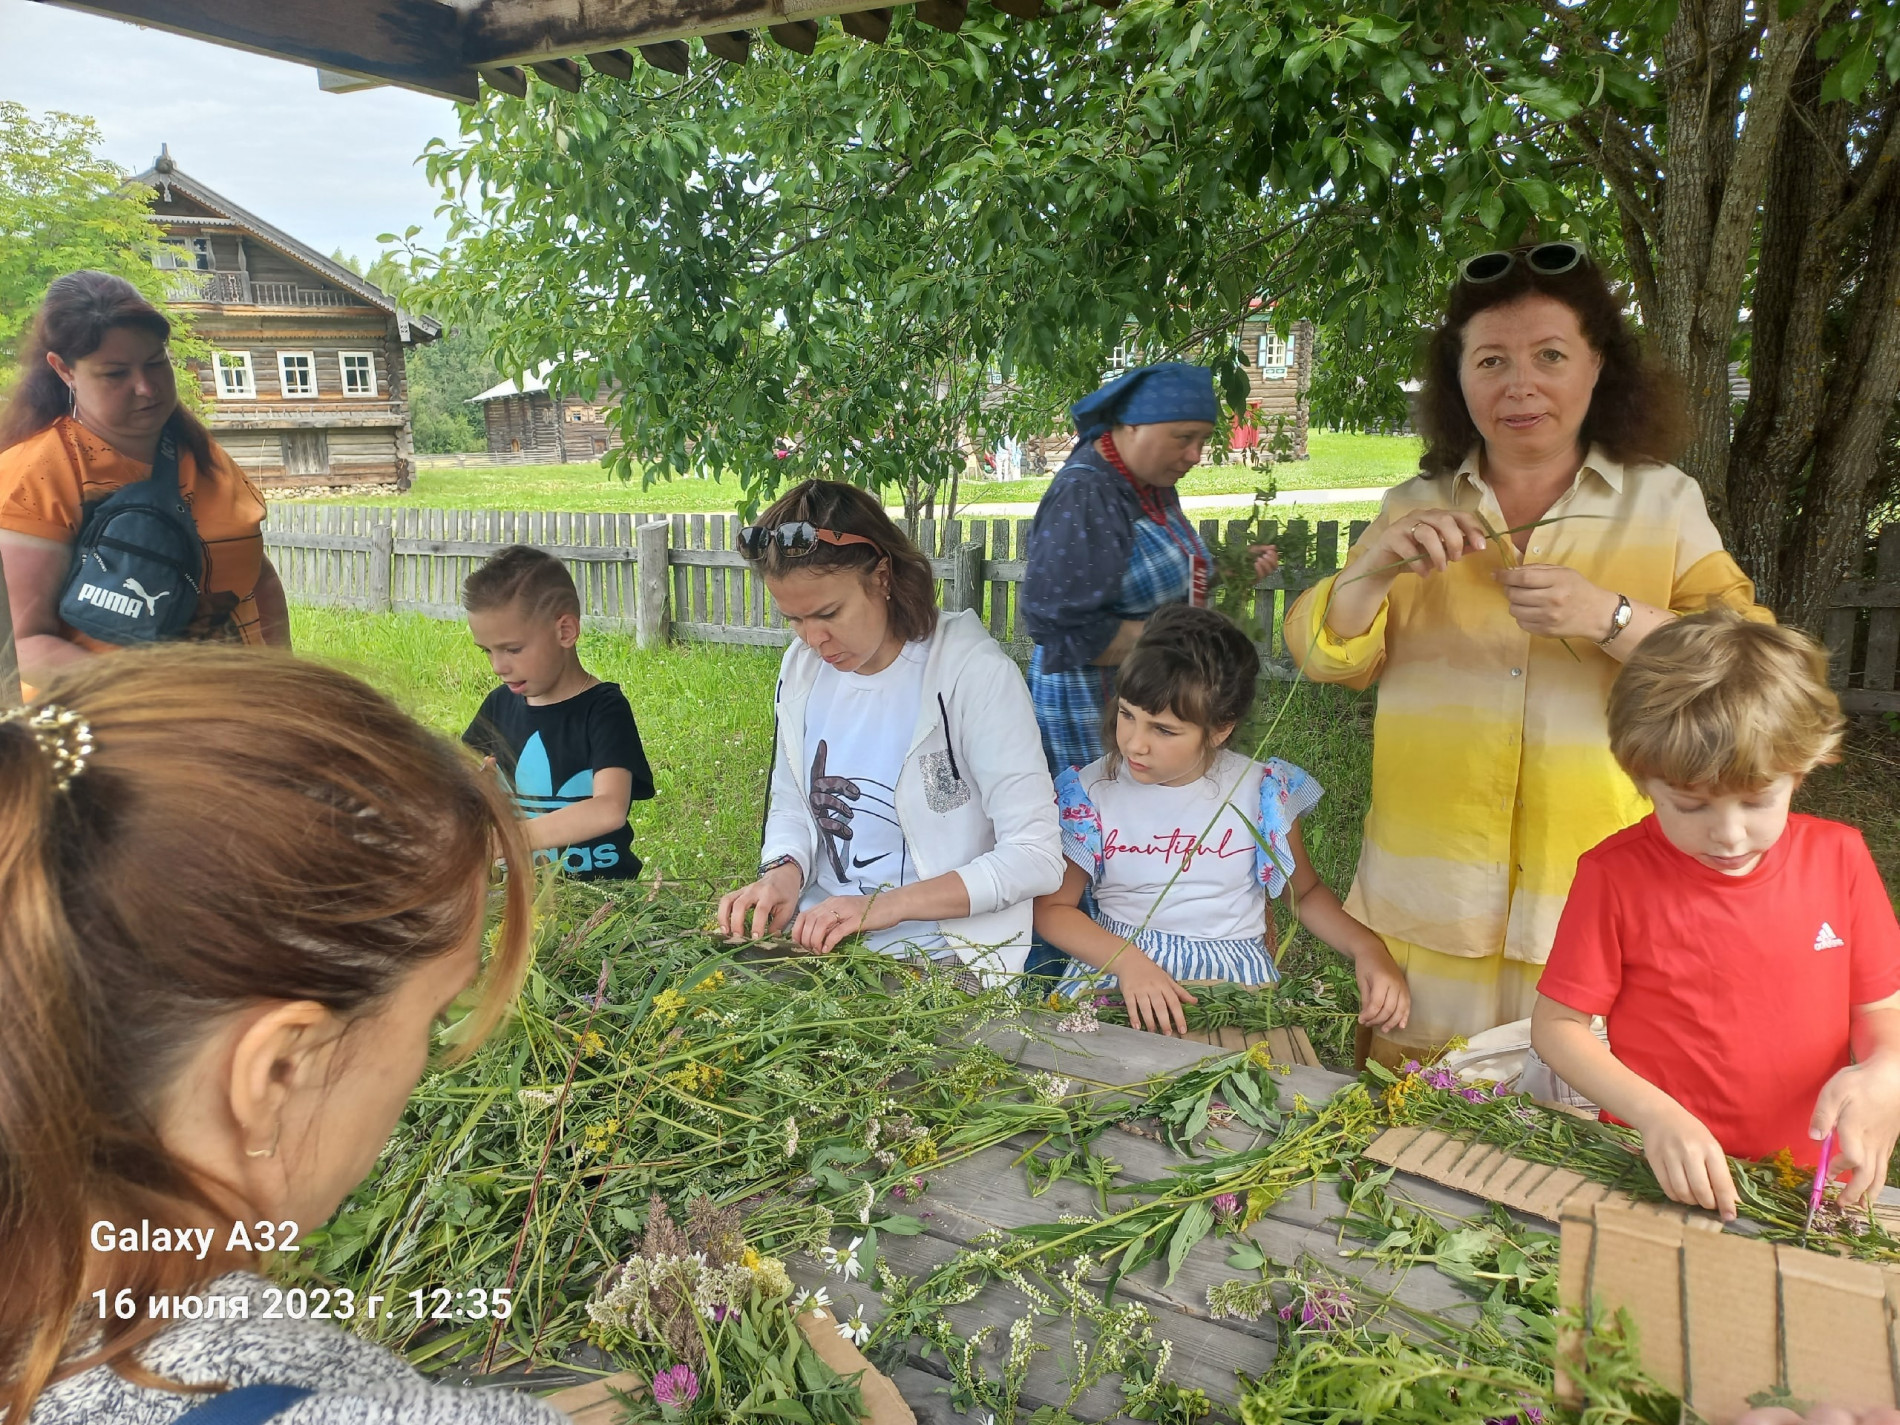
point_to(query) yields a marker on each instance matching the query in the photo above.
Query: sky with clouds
(331, 169)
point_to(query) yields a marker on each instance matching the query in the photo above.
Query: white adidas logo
(1826, 939)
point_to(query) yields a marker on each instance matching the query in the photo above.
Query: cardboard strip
(1730, 1331)
(1488, 1172)
(1835, 1331)
(1636, 1266)
(594, 1403)
(1576, 1236)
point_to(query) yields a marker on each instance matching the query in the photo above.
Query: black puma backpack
(138, 563)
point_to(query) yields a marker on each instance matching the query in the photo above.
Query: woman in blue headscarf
(1110, 544)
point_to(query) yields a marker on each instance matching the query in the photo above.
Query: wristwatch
(770, 866)
(1619, 620)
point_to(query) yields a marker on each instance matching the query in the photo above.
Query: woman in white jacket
(909, 795)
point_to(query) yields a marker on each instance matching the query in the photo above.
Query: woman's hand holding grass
(1422, 542)
(772, 901)
(1385, 1000)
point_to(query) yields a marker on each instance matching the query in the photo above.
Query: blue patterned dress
(1285, 793)
(1095, 559)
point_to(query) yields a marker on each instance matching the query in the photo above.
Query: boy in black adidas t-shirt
(565, 740)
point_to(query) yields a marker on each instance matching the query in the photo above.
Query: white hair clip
(62, 735)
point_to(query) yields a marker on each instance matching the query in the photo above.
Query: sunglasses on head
(795, 539)
(1548, 259)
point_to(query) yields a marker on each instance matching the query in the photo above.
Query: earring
(270, 1152)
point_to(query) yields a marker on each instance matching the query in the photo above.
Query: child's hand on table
(1385, 1000)
(1688, 1163)
(1153, 997)
(1861, 1106)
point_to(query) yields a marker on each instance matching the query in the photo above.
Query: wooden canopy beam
(670, 55)
(871, 26)
(417, 44)
(799, 36)
(735, 46)
(519, 31)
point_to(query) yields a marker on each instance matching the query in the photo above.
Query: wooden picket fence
(681, 576)
(1862, 633)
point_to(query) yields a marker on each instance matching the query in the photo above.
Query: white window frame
(226, 392)
(343, 371)
(1272, 352)
(309, 358)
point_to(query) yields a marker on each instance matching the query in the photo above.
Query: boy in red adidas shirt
(1747, 960)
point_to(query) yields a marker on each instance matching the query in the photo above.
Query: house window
(235, 377)
(1127, 354)
(297, 370)
(359, 373)
(1270, 355)
(183, 254)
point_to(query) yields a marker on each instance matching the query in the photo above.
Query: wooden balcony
(236, 289)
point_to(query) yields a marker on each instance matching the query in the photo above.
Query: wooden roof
(168, 178)
(449, 47)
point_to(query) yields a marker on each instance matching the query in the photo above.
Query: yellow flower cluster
(1260, 1056)
(709, 984)
(667, 1005)
(695, 1077)
(591, 1044)
(1396, 1096)
(921, 1153)
(1787, 1175)
(598, 1137)
(769, 1273)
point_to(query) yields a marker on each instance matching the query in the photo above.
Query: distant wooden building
(527, 422)
(307, 378)
(1279, 373)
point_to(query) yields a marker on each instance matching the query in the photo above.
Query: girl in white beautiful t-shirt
(1177, 842)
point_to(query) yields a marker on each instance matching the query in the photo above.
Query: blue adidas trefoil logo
(535, 793)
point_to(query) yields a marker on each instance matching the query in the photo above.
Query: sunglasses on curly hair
(1547, 259)
(795, 539)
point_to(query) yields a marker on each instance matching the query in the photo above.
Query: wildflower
(1410, 1067)
(1260, 1056)
(1243, 1300)
(538, 1098)
(908, 1189)
(667, 1005)
(707, 985)
(1441, 1078)
(1226, 1207)
(791, 1137)
(749, 1259)
(810, 1301)
(855, 1331)
(1082, 1020)
(845, 1263)
(676, 1388)
(1049, 1088)
(770, 1277)
(1787, 1175)
(922, 1152)
(1055, 1001)
(597, 1137)
(590, 1045)
(1474, 1094)
(1321, 1308)
(864, 1208)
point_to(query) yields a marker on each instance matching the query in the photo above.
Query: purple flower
(1411, 1066)
(1442, 1079)
(1226, 1205)
(721, 1312)
(1323, 1308)
(1473, 1095)
(1103, 1001)
(676, 1387)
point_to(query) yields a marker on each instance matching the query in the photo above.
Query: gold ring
(1417, 525)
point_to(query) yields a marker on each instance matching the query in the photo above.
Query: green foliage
(64, 208)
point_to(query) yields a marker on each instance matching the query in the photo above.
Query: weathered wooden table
(989, 1192)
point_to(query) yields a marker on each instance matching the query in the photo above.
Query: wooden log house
(528, 423)
(307, 379)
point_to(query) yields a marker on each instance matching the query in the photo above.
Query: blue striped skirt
(1243, 961)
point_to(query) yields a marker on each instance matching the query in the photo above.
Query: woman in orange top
(96, 388)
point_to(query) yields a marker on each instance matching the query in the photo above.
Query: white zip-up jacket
(974, 795)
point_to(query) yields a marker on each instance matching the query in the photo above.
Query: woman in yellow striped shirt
(1494, 651)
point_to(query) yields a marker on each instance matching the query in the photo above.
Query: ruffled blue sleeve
(1287, 793)
(1081, 824)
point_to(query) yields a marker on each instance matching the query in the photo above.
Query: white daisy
(810, 1300)
(855, 1330)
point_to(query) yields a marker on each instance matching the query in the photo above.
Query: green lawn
(1338, 461)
